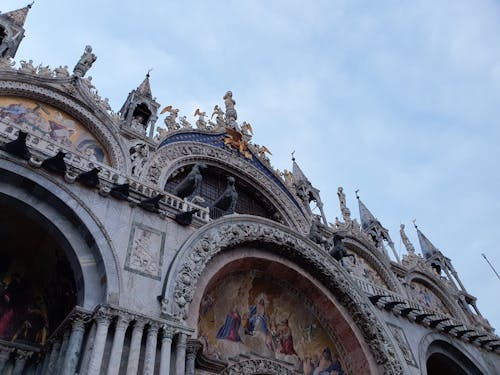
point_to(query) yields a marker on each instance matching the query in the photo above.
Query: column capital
(103, 316)
(154, 326)
(167, 331)
(22, 355)
(193, 346)
(139, 322)
(123, 317)
(5, 352)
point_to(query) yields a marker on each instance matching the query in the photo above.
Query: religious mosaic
(427, 297)
(360, 268)
(145, 252)
(47, 121)
(249, 314)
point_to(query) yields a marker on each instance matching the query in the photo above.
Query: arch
(455, 354)
(240, 230)
(173, 156)
(75, 229)
(421, 278)
(94, 119)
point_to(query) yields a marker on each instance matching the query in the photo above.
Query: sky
(398, 99)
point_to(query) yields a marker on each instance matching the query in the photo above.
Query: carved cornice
(171, 157)
(231, 232)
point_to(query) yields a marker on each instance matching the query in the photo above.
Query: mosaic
(426, 297)
(47, 121)
(249, 314)
(363, 270)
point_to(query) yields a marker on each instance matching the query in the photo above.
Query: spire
(18, 17)
(426, 246)
(366, 217)
(145, 88)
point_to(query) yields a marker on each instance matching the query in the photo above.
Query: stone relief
(403, 344)
(145, 251)
(188, 268)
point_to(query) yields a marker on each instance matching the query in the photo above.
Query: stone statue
(338, 250)
(227, 201)
(231, 115)
(44, 71)
(201, 123)
(6, 63)
(27, 67)
(139, 155)
(185, 123)
(190, 186)
(219, 117)
(288, 176)
(85, 62)
(61, 71)
(346, 213)
(170, 120)
(406, 241)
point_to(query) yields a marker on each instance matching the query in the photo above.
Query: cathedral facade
(132, 247)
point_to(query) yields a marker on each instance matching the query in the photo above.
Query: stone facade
(166, 284)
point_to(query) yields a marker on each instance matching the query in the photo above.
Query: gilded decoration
(46, 121)
(427, 297)
(251, 314)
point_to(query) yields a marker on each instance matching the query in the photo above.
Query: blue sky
(398, 99)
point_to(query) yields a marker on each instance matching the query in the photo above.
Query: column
(180, 354)
(51, 367)
(121, 326)
(62, 352)
(87, 349)
(135, 346)
(103, 320)
(193, 346)
(150, 355)
(74, 345)
(166, 348)
(21, 358)
(4, 357)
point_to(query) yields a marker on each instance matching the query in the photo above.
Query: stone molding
(257, 366)
(231, 232)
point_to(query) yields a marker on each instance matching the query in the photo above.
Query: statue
(190, 186)
(231, 115)
(61, 71)
(44, 71)
(346, 213)
(185, 123)
(85, 62)
(338, 250)
(234, 139)
(246, 129)
(6, 63)
(219, 117)
(315, 233)
(27, 67)
(288, 177)
(200, 123)
(227, 201)
(406, 241)
(139, 155)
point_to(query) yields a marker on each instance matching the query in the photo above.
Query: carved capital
(167, 332)
(193, 346)
(23, 355)
(139, 322)
(103, 316)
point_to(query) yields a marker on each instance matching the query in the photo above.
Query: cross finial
(30, 5)
(414, 221)
(293, 155)
(356, 192)
(149, 71)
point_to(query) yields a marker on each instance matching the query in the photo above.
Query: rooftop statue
(170, 120)
(190, 186)
(346, 213)
(231, 115)
(406, 241)
(338, 250)
(315, 233)
(201, 123)
(85, 62)
(219, 117)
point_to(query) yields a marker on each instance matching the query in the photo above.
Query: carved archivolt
(173, 156)
(84, 113)
(230, 232)
(257, 367)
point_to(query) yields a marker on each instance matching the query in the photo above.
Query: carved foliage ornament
(235, 231)
(256, 366)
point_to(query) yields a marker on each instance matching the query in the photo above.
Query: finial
(148, 73)
(414, 221)
(293, 155)
(356, 192)
(30, 5)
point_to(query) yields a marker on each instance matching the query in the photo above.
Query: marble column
(51, 367)
(193, 346)
(21, 358)
(135, 347)
(103, 320)
(180, 354)
(62, 352)
(4, 357)
(150, 354)
(166, 347)
(87, 349)
(122, 322)
(74, 345)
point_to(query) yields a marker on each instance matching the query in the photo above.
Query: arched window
(142, 114)
(444, 358)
